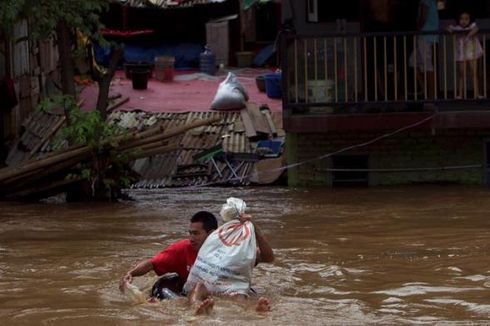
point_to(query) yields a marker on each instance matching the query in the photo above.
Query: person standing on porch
(422, 57)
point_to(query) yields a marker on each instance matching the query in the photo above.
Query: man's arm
(140, 269)
(266, 254)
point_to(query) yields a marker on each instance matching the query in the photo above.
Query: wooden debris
(248, 124)
(267, 171)
(267, 114)
(258, 119)
(22, 180)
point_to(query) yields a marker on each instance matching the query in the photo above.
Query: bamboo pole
(36, 174)
(169, 133)
(157, 151)
(153, 145)
(10, 172)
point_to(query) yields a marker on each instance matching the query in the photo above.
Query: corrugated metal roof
(37, 128)
(180, 168)
(174, 169)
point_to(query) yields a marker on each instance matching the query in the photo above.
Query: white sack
(230, 94)
(225, 261)
(232, 209)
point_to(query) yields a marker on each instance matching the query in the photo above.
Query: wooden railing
(336, 71)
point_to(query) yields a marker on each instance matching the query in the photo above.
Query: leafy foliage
(82, 15)
(108, 171)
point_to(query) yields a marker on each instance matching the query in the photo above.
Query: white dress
(467, 48)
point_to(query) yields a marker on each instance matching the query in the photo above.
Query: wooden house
(356, 112)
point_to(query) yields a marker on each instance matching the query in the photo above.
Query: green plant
(108, 170)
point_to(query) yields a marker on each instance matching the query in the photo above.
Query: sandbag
(230, 94)
(225, 261)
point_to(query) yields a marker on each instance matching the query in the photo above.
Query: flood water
(404, 255)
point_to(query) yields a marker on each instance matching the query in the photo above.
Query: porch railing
(376, 69)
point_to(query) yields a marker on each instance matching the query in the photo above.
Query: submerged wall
(420, 154)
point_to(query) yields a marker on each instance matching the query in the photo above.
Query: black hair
(208, 220)
(462, 11)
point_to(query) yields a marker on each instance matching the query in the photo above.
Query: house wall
(420, 149)
(29, 64)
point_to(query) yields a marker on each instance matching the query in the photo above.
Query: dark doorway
(353, 170)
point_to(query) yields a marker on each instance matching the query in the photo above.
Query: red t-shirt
(176, 258)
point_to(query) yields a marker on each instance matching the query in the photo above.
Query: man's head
(202, 224)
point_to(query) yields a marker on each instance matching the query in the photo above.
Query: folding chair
(212, 154)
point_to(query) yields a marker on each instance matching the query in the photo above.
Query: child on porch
(468, 50)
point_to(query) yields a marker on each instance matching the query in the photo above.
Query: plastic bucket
(260, 82)
(164, 68)
(130, 66)
(273, 85)
(140, 78)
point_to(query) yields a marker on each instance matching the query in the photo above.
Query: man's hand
(140, 269)
(246, 217)
(128, 278)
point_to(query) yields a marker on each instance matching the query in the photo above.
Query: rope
(348, 148)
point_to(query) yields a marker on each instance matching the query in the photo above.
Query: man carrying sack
(226, 259)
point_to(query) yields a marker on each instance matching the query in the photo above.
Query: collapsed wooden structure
(168, 150)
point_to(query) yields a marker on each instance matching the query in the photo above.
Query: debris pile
(46, 175)
(167, 150)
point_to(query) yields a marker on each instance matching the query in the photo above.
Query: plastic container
(140, 79)
(273, 85)
(244, 58)
(130, 66)
(207, 62)
(320, 91)
(164, 68)
(260, 82)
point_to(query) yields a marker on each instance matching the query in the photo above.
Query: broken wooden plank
(248, 124)
(258, 119)
(267, 114)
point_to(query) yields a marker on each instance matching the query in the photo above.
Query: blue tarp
(186, 54)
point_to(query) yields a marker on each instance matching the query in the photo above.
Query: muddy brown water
(408, 255)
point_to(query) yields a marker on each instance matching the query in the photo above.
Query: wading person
(178, 257)
(224, 264)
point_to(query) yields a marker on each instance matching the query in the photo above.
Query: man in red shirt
(179, 256)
